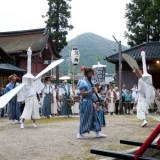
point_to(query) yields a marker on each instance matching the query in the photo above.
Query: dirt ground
(55, 138)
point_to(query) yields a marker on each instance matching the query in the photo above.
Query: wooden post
(120, 75)
(120, 78)
(72, 76)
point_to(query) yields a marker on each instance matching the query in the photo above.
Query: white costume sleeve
(21, 95)
(38, 85)
(150, 93)
(147, 90)
(141, 86)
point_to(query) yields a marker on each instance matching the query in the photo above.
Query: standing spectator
(1, 90)
(107, 87)
(123, 92)
(14, 106)
(132, 101)
(111, 97)
(127, 100)
(58, 107)
(104, 90)
(1, 94)
(76, 97)
(117, 101)
(134, 93)
(47, 100)
(124, 89)
(65, 92)
(54, 102)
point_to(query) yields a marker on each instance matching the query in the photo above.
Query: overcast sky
(102, 17)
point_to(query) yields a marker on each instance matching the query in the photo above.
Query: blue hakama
(14, 109)
(66, 108)
(100, 114)
(46, 108)
(13, 105)
(89, 120)
(66, 93)
(100, 111)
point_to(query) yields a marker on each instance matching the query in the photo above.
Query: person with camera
(65, 94)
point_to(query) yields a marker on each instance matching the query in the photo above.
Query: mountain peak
(90, 45)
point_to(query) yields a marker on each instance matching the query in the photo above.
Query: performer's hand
(93, 90)
(137, 72)
(97, 103)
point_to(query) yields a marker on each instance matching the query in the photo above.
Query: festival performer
(89, 121)
(13, 105)
(146, 92)
(29, 94)
(100, 108)
(65, 92)
(48, 93)
(28, 90)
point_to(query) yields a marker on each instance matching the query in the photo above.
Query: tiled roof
(152, 50)
(20, 41)
(5, 58)
(9, 67)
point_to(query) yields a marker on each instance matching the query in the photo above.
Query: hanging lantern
(75, 56)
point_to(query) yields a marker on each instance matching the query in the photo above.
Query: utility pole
(69, 62)
(120, 74)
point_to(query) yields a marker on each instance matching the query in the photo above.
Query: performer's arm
(137, 72)
(85, 93)
(6, 90)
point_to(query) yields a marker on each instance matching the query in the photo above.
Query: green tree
(58, 16)
(142, 21)
(97, 58)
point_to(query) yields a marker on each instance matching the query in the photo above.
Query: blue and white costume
(65, 91)
(13, 105)
(89, 121)
(48, 93)
(28, 94)
(100, 111)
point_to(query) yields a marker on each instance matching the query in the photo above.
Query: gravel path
(55, 138)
